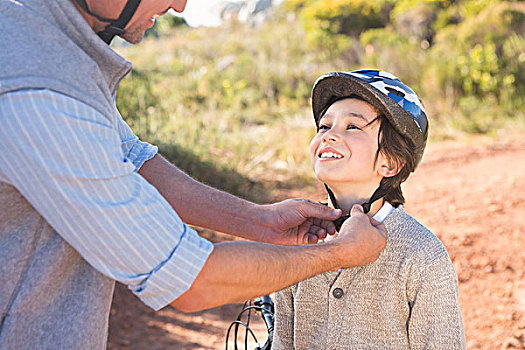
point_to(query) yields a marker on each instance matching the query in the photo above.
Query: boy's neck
(345, 203)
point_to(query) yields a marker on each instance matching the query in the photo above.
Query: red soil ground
(471, 195)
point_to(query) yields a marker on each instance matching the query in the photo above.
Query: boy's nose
(330, 136)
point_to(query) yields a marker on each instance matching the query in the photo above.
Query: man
(83, 202)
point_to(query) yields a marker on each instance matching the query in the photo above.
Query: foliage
(218, 176)
(164, 24)
(223, 97)
(237, 97)
(415, 19)
(482, 59)
(331, 24)
(387, 49)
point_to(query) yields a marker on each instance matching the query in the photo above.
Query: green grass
(231, 105)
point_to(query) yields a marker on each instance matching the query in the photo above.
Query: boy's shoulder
(407, 234)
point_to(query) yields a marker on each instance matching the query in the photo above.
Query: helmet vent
(395, 92)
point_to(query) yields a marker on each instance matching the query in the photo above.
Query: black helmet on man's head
(115, 26)
(395, 100)
(398, 102)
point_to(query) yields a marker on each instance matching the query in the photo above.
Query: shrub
(237, 97)
(388, 50)
(331, 24)
(477, 63)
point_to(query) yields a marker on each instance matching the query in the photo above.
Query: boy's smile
(329, 154)
(343, 152)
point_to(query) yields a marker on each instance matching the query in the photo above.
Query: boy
(372, 131)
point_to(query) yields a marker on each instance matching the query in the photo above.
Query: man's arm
(288, 222)
(66, 159)
(236, 271)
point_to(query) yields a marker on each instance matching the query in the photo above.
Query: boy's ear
(390, 168)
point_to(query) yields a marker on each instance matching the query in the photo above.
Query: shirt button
(338, 293)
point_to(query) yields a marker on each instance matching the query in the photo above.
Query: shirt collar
(384, 212)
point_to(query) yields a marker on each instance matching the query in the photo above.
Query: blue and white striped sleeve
(135, 150)
(67, 160)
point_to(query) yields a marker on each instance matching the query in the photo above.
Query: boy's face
(344, 149)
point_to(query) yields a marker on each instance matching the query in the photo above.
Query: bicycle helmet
(395, 100)
(115, 26)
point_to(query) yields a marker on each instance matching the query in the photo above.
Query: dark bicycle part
(267, 311)
(237, 323)
(265, 306)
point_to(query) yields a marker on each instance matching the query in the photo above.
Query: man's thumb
(356, 209)
(319, 211)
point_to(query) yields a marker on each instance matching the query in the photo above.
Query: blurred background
(225, 89)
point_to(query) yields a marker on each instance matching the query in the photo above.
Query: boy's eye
(324, 127)
(353, 127)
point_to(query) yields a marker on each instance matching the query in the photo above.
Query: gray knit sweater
(407, 299)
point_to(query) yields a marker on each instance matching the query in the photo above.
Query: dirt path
(472, 196)
(474, 201)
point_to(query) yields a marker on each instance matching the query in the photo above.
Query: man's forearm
(201, 205)
(237, 271)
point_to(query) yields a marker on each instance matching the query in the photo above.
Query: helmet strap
(115, 26)
(379, 193)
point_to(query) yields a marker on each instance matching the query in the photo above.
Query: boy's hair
(398, 150)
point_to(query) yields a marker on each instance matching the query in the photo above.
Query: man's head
(100, 13)
(373, 108)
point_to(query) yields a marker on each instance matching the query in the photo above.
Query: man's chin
(134, 37)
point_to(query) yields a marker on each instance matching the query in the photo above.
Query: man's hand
(297, 221)
(252, 266)
(361, 239)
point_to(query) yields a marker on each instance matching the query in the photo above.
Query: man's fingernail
(336, 212)
(358, 207)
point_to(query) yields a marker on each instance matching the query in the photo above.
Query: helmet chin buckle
(379, 193)
(110, 32)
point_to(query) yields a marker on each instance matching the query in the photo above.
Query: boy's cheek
(313, 151)
(320, 174)
(314, 145)
(312, 162)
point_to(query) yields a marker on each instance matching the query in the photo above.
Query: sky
(197, 13)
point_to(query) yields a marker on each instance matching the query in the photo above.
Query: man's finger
(320, 232)
(330, 228)
(326, 225)
(311, 238)
(319, 211)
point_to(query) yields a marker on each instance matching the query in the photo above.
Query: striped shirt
(79, 171)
